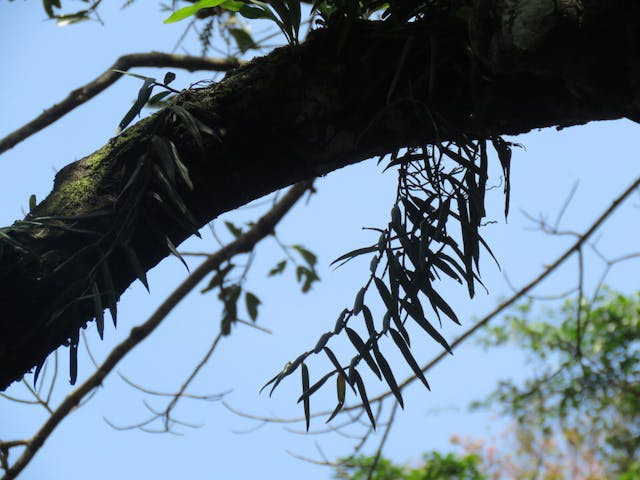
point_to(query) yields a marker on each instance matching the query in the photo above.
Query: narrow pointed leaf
(340, 392)
(417, 315)
(363, 351)
(404, 349)
(336, 364)
(363, 397)
(174, 251)
(36, 374)
(188, 120)
(183, 171)
(109, 292)
(305, 387)
(98, 311)
(388, 374)
(354, 253)
(137, 267)
(316, 386)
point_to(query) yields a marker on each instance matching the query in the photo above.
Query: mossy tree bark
(353, 90)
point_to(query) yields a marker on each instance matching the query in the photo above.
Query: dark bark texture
(353, 90)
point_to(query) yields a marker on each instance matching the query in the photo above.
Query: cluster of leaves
(145, 99)
(230, 288)
(435, 466)
(152, 183)
(63, 19)
(286, 14)
(438, 185)
(588, 385)
(577, 419)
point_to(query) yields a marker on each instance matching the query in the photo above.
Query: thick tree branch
(244, 243)
(350, 92)
(85, 93)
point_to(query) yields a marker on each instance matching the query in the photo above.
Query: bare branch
(85, 93)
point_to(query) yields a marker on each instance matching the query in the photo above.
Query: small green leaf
(186, 12)
(306, 277)
(252, 302)
(235, 231)
(278, 269)
(308, 257)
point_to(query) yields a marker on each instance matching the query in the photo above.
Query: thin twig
(81, 95)
(185, 385)
(385, 435)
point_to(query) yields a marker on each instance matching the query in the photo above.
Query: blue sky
(44, 62)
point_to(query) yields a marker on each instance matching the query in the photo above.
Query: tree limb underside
(352, 91)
